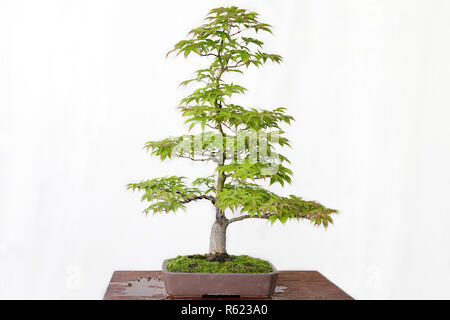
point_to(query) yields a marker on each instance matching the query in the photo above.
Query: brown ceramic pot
(251, 285)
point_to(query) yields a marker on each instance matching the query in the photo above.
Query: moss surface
(236, 264)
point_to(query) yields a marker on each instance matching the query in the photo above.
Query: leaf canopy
(243, 142)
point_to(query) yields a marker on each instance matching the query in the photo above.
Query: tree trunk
(218, 238)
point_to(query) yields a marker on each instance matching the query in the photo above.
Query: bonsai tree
(242, 142)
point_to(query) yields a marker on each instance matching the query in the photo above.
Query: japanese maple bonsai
(242, 142)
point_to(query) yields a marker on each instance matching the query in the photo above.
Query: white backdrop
(84, 84)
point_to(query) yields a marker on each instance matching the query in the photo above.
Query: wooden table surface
(291, 285)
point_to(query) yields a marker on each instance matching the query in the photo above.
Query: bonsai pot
(251, 285)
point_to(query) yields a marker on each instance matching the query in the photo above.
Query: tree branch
(241, 63)
(263, 216)
(208, 159)
(212, 126)
(229, 127)
(210, 198)
(208, 54)
(240, 30)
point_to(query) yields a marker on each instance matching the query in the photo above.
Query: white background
(84, 84)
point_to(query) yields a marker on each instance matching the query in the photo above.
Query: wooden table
(291, 285)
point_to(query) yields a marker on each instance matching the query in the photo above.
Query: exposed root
(220, 257)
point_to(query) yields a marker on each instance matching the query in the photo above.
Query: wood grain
(291, 285)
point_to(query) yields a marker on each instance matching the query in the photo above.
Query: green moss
(236, 264)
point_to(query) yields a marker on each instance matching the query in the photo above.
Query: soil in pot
(199, 263)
